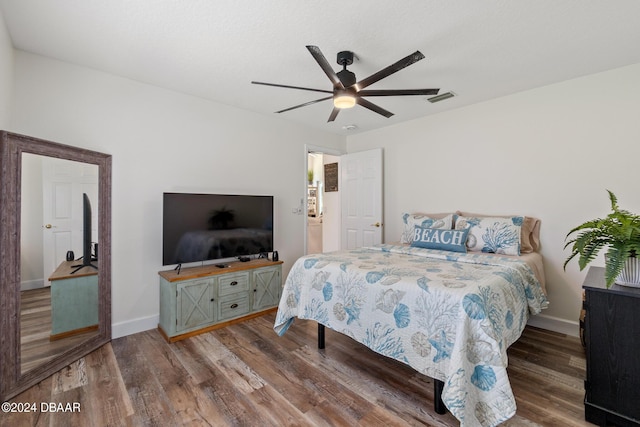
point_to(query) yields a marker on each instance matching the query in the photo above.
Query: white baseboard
(28, 285)
(134, 326)
(555, 324)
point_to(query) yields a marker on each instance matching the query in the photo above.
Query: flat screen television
(203, 227)
(87, 256)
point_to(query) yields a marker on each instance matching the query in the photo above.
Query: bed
(449, 315)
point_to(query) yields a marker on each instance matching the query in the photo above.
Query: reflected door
(63, 183)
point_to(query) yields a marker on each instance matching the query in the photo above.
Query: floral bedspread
(449, 316)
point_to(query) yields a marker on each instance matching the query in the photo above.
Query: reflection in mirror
(58, 306)
(29, 350)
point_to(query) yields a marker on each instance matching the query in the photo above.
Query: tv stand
(74, 300)
(201, 299)
(78, 267)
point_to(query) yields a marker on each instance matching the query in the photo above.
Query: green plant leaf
(619, 232)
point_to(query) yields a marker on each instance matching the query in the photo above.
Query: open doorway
(322, 195)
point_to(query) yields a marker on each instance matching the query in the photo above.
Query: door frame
(308, 148)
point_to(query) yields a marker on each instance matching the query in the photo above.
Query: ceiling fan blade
(292, 87)
(333, 115)
(398, 92)
(386, 72)
(373, 107)
(305, 104)
(326, 67)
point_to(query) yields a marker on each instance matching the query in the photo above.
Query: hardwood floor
(35, 330)
(245, 375)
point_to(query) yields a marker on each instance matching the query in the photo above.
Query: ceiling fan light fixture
(344, 100)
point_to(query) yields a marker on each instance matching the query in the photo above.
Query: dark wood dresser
(612, 336)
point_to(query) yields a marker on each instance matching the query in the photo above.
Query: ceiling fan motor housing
(346, 77)
(345, 58)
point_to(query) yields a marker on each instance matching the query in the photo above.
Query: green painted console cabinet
(74, 300)
(200, 299)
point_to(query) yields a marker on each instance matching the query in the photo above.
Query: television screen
(202, 227)
(87, 256)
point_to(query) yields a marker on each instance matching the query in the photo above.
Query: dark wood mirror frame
(12, 145)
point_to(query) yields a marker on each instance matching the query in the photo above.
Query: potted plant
(310, 176)
(620, 233)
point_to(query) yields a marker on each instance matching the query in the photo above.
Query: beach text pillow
(435, 238)
(409, 221)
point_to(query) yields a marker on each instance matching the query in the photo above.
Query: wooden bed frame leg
(438, 404)
(320, 336)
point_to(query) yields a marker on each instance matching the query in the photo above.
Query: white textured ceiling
(213, 49)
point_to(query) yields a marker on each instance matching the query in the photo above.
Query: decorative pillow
(492, 234)
(435, 238)
(409, 221)
(529, 233)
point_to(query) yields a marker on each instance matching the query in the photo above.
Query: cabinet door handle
(233, 283)
(212, 299)
(234, 306)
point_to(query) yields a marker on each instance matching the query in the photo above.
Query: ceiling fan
(347, 91)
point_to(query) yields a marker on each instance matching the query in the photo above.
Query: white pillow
(492, 234)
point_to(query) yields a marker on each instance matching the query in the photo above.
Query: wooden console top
(212, 270)
(64, 271)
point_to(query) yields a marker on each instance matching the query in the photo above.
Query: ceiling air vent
(441, 97)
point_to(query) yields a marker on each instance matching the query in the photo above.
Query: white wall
(6, 74)
(549, 153)
(331, 230)
(162, 141)
(31, 239)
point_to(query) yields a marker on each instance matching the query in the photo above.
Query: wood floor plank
(288, 375)
(367, 375)
(70, 377)
(37, 394)
(245, 375)
(232, 367)
(353, 405)
(275, 408)
(150, 404)
(189, 404)
(104, 379)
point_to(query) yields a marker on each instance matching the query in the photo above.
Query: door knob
(48, 226)
(377, 224)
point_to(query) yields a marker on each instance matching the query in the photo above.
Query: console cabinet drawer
(233, 283)
(231, 306)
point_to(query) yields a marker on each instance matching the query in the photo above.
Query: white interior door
(361, 182)
(63, 183)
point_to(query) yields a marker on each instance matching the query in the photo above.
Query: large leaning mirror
(55, 306)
